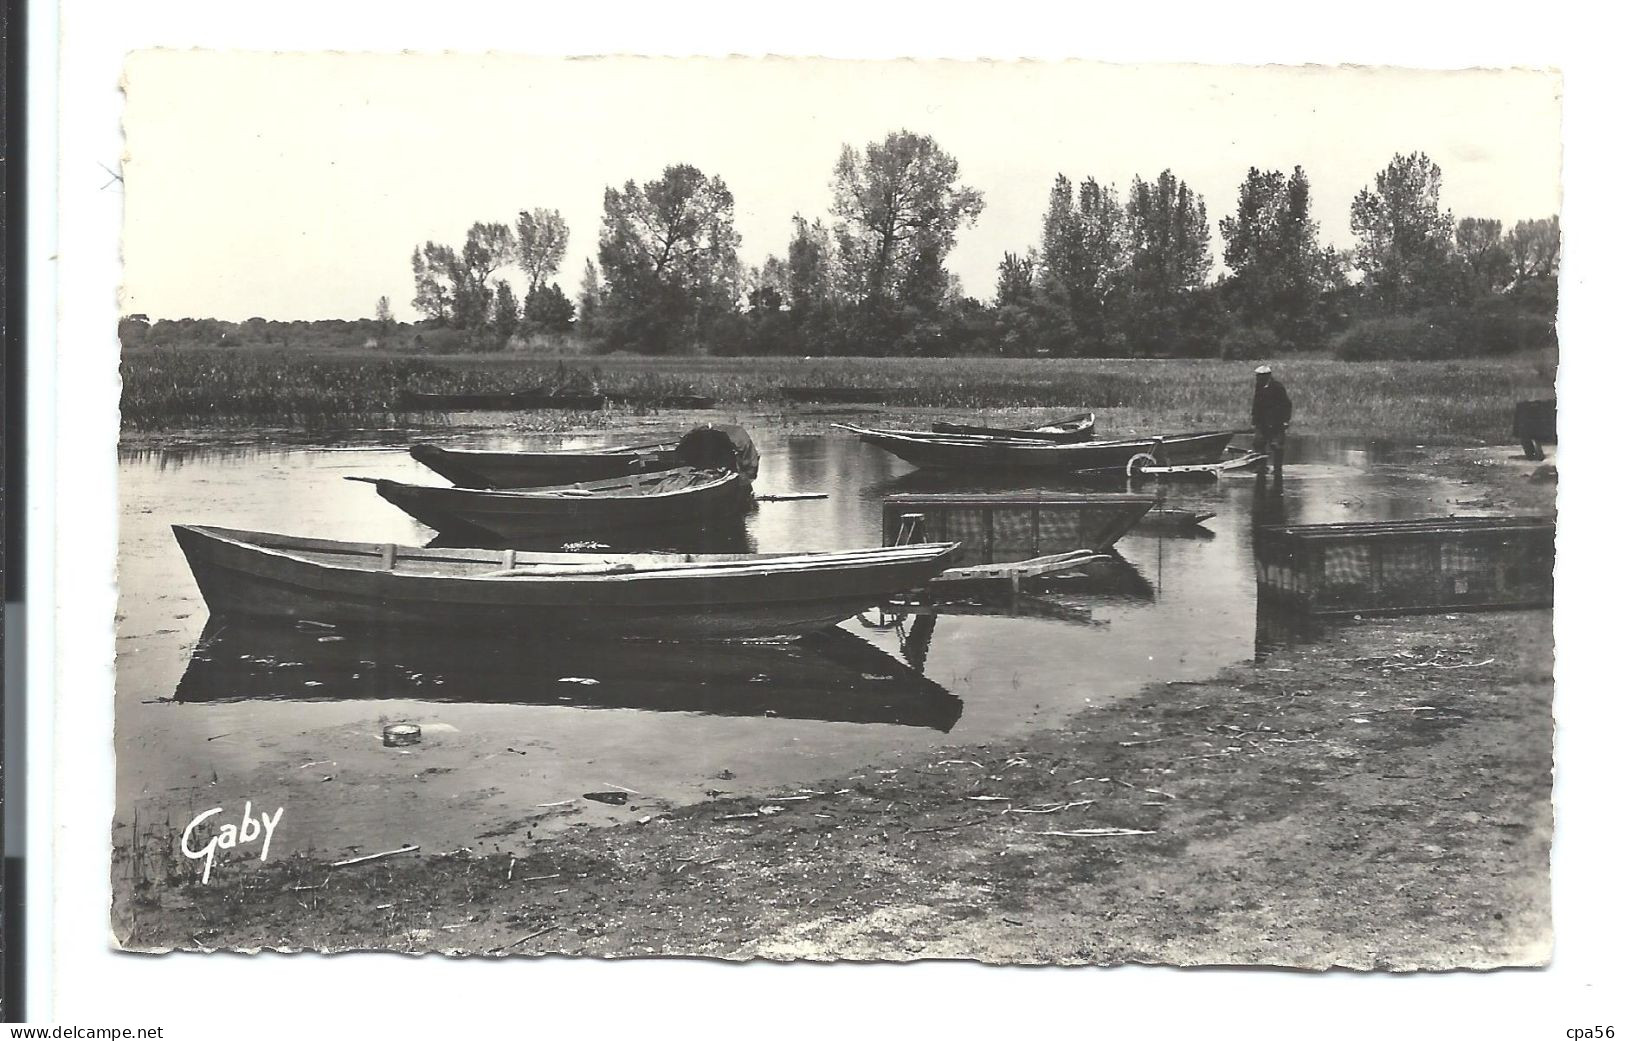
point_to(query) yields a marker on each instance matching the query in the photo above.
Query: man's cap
(1262, 370)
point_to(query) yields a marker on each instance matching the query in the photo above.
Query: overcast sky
(295, 186)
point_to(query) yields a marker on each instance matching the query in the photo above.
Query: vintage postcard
(1033, 512)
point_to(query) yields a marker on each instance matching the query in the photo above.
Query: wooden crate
(1431, 564)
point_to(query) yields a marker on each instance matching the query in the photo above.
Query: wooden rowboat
(708, 446)
(971, 451)
(555, 595)
(476, 469)
(1061, 431)
(684, 497)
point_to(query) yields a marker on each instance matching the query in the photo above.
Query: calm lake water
(294, 718)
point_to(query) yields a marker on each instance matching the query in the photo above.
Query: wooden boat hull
(953, 452)
(470, 469)
(1067, 431)
(540, 513)
(664, 596)
(709, 446)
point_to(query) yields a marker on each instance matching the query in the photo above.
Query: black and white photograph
(1043, 513)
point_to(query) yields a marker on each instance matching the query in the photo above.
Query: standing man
(1272, 411)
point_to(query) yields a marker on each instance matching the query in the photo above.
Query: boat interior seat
(618, 568)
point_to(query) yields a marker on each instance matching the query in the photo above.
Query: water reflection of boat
(1051, 605)
(683, 496)
(1103, 578)
(592, 595)
(1124, 579)
(992, 481)
(829, 675)
(1172, 522)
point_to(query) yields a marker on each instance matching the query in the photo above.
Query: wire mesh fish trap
(1431, 564)
(1008, 526)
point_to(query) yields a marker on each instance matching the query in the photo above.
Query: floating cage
(1004, 527)
(1432, 564)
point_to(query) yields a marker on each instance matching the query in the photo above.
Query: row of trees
(1115, 276)
(1112, 273)
(454, 287)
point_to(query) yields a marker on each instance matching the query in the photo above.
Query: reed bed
(1453, 401)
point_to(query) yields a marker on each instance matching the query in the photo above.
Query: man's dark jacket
(1272, 409)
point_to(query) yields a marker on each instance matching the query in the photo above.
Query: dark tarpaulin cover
(720, 446)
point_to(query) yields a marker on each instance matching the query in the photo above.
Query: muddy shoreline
(1378, 798)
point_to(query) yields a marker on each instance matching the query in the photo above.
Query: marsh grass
(1453, 401)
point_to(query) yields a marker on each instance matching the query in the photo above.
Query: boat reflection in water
(832, 674)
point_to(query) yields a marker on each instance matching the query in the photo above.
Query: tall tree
(1403, 236)
(384, 317)
(766, 287)
(809, 275)
(1061, 245)
(554, 312)
(505, 311)
(540, 239)
(1483, 252)
(1082, 253)
(1103, 249)
(898, 208)
(1167, 235)
(592, 294)
(437, 271)
(1015, 284)
(1161, 302)
(453, 287)
(1534, 247)
(488, 247)
(1279, 273)
(670, 258)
